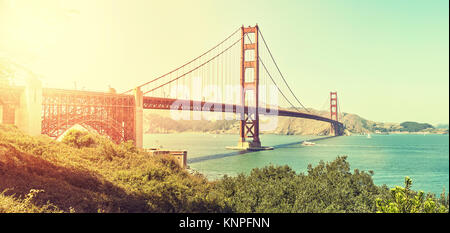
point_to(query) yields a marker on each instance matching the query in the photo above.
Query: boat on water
(306, 143)
(368, 136)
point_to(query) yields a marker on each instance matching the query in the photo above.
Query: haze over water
(424, 158)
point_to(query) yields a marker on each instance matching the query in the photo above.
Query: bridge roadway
(37, 110)
(192, 105)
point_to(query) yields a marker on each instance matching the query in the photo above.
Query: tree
(414, 126)
(328, 187)
(406, 201)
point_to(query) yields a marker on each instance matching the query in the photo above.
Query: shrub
(404, 200)
(78, 139)
(328, 187)
(11, 204)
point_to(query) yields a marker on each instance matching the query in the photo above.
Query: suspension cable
(268, 73)
(280, 71)
(187, 62)
(204, 63)
(265, 68)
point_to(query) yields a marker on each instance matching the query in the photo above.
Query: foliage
(99, 176)
(414, 126)
(404, 200)
(89, 173)
(10, 204)
(328, 187)
(77, 138)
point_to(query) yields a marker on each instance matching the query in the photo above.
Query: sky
(388, 60)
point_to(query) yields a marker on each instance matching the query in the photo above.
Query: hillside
(92, 174)
(161, 122)
(88, 173)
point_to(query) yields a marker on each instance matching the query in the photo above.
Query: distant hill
(414, 126)
(161, 122)
(441, 126)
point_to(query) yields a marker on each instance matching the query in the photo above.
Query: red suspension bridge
(234, 77)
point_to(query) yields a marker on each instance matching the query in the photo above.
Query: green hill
(100, 176)
(410, 126)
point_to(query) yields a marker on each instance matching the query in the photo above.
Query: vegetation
(79, 139)
(328, 187)
(414, 126)
(103, 177)
(404, 200)
(89, 173)
(10, 204)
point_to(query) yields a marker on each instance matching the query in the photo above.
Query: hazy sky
(387, 59)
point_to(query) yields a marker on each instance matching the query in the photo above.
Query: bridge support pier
(253, 146)
(28, 115)
(138, 118)
(333, 130)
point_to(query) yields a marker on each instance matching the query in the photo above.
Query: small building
(179, 155)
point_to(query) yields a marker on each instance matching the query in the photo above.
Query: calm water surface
(425, 158)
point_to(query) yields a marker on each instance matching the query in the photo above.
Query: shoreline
(351, 134)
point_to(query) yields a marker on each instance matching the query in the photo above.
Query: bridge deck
(193, 105)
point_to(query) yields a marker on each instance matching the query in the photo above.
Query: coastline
(351, 133)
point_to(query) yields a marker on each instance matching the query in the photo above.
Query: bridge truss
(109, 114)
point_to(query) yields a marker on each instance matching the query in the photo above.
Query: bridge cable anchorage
(195, 59)
(279, 71)
(190, 71)
(273, 81)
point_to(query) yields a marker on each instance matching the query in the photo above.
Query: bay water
(424, 158)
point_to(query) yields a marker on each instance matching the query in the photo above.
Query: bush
(78, 139)
(328, 187)
(10, 204)
(404, 200)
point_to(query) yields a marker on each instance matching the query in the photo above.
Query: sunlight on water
(392, 157)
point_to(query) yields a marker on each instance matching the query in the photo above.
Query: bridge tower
(249, 91)
(138, 117)
(249, 124)
(333, 112)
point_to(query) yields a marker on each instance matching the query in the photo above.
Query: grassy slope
(38, 174)
(92, 179)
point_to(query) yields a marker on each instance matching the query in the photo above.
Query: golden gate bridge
(233, 77)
